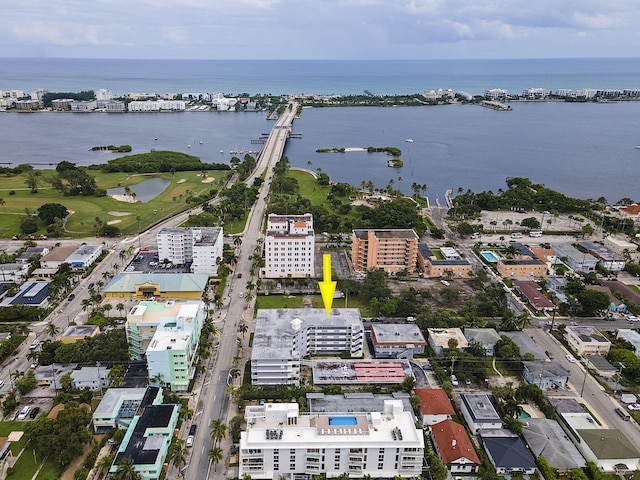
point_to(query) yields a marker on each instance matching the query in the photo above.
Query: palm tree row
(218, 431)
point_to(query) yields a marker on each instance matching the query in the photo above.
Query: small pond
(145, 191)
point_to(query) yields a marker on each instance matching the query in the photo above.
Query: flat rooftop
(361, 372)
(354, 402)
(480, 407)
(276, 328)
(588, 334)
(396, 334)
(371, 430)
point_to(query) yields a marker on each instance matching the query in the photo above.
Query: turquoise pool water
(524, 414)
(489, 256)
(343, 421)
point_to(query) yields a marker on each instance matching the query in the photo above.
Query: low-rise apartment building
(392, 250)
(166, 335)
(280, 441)
(397, 340)
(587, 340)
(283, 337)
(433, 267)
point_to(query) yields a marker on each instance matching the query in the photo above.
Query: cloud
(61, 34)
(320, 28)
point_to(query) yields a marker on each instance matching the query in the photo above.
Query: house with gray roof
(526, 344)
(575, 259)
(507, 452)
(479, 412)
(486, 337)
(93, 378)
(32, 294)
(546, 438)
(545, 375)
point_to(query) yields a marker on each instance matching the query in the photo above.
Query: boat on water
(408, 140)
(636, 147)
(221, 151)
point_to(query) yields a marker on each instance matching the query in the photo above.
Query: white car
(189, 442)
(570, 358)
(634, 406)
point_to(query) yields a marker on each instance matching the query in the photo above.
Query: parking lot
(148, 262)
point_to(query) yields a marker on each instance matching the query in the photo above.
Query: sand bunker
(124, 198)
(113, 222)
(119, 214)
(182, 180)
(208, 180)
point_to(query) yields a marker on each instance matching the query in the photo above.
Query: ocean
(582, 150)
(323, 77)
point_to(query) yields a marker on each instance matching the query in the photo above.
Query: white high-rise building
(289, 246)
(103, 95)
(282, 442)
(199, 247)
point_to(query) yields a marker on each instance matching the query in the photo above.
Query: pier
(495, 105)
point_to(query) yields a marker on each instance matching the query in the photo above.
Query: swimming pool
(343, 421)
(489, 256)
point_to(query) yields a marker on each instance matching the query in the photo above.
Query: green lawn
(280, 301)
(85, 209)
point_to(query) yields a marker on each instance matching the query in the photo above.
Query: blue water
(582, 150)
(334, 421)
(489, 256)
(315, 76)
(145, 191)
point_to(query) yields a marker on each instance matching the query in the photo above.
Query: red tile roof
(435, 401)
(633, 209)
(452, 442)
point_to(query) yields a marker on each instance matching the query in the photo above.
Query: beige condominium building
(392, 250)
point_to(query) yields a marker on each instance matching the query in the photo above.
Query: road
(598, 401)
(213, 398)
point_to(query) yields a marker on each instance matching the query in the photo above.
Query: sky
(319, 29)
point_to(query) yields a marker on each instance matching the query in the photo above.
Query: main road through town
(214, 399)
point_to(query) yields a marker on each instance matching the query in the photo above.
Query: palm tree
(107, 308)
(524, 320)
(120, 307)
(52, 330)
(127, 470)
(105, 463)
(177, 453)
(218, 430)
(243, 328)
(215, 455)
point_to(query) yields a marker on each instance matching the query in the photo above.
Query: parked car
(192, 429)
(634, 406)
(34, 412)
(71, 297)
(23, 413)
(189, 441)
(91, 285)
(454, 380)
(570, 358)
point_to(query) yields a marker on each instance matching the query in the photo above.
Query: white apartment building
(167, 335)
(84, 106)
(156, 105)
(283, 337)
(282, 442)
(199, 247)
(103, 94)
(289, 246)
(496, 94)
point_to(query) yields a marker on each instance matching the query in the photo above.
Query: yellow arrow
(327, 287)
